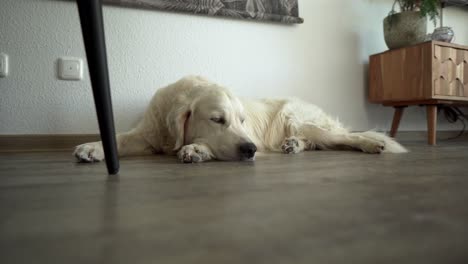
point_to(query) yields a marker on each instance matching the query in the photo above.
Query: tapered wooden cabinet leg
(396, 119)
(431, 124)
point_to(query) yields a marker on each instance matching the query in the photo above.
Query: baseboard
(37, 143)
(422, 135)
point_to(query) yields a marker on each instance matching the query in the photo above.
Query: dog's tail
(391, 146)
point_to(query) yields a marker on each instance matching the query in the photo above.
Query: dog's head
(214, 117)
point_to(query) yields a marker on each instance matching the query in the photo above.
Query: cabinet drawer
(450, 71)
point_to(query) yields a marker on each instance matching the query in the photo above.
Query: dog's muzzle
(247, 150)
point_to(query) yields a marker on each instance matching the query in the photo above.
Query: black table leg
(90, 12)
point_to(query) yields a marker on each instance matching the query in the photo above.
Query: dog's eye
(242, 120)
(219, 120)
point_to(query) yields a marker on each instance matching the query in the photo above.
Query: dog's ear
(175, 121)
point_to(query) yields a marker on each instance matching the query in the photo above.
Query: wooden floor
(316, 207)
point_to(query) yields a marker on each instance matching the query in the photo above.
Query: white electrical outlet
(70, 68)
(3, 65)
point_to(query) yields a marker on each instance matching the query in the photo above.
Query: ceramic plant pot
(403, 29)
(445, 34)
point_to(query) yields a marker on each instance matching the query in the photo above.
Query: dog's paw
(192, 154)
(291, 145)
(89, 152)
(373, 147)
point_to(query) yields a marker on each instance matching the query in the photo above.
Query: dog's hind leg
(294, 145)
(322, 139)
(129, 143)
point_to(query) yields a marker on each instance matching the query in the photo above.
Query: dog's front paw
(373, 147)
(291, 145)
(89, 152)
(192, 154)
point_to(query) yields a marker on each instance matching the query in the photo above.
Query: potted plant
(409, 26)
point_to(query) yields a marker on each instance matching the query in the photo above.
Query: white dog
(199, 120)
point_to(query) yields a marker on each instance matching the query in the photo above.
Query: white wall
(323, 61)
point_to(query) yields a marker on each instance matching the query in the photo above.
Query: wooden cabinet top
(440, 43)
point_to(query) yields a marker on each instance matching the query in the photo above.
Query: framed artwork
(283, 11)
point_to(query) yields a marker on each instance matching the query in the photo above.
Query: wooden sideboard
(429, 74)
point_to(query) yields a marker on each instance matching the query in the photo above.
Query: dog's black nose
(248, 150)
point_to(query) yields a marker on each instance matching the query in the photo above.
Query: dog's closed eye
(219, 120)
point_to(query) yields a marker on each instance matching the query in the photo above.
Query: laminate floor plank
(313, 207)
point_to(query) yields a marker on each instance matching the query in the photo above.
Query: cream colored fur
(185, 118)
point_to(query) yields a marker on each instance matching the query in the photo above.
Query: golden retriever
(200, 120)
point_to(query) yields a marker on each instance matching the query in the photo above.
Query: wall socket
(70, 68)
(3, 65)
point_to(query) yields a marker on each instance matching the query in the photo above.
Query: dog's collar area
(187, 117)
